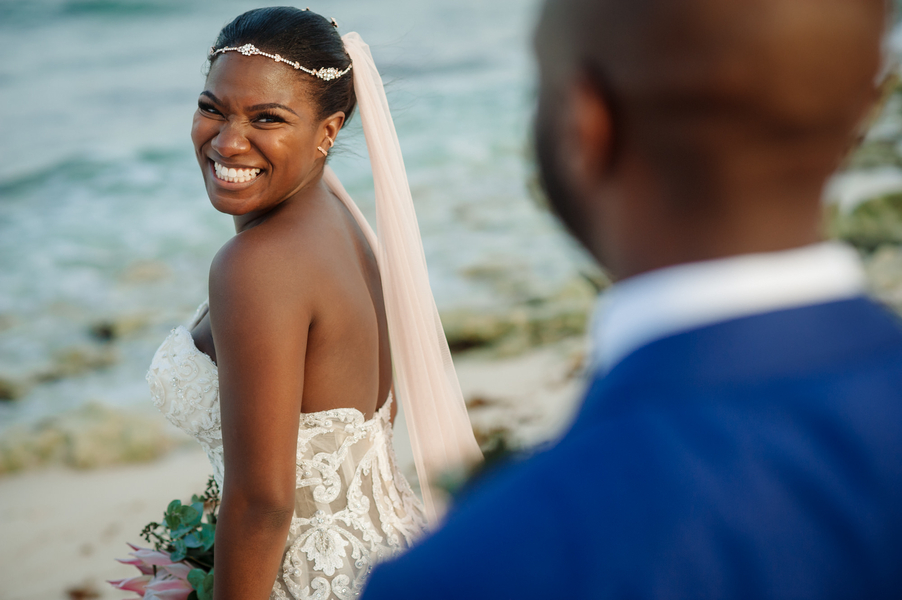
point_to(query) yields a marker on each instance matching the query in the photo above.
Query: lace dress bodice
(353, 507)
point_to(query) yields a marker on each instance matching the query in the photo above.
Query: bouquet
(180, 565)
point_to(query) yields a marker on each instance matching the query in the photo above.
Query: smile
(234, 175)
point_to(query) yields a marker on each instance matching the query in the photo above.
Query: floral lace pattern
(184, 385)
(353, 507)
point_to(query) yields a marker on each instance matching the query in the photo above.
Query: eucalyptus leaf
(181, 550)
(207, 535)
(189, 515)
(173, 515)
(196, 578)
(181, 531)
(188, 537)
(206, 593)
(172, 520)
(199, 507)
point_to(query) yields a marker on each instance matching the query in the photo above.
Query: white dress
(353, 507)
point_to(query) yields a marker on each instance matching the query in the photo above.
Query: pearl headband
(325, 73)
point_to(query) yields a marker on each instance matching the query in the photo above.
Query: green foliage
(497, 451)
(188, 538)
(202, 582)
(871, 224)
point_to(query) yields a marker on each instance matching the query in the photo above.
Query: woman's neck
(311, 186)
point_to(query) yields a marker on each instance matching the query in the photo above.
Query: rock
(112, 329)
(145, 271)
(7, 322)
(879, 147)
(884, 271)
(12, 387)
(91, 436)
(875, 154)
(870, 224)
(479, 402)
(77, 360)
(468, 330)
(532, 323)
(71, 361)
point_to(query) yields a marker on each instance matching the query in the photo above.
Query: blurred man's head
(678, 130)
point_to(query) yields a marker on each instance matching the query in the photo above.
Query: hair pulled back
(302, 36)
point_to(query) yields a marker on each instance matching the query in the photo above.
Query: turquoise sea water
(104, 223)
(103, 216)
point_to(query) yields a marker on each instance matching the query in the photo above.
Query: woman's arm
(259, 323)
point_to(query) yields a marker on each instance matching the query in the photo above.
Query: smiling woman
(256, 135)
(286, 375)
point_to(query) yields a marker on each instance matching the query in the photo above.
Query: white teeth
(234, 175)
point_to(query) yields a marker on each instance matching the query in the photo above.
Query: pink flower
(149, 558)
(170, 582)
(167, 586)
(132, 584)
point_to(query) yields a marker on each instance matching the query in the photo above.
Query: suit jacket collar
(660, 303)
(792, 344)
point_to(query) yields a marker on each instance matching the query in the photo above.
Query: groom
(742, 437)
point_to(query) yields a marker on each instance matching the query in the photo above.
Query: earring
(325, 152)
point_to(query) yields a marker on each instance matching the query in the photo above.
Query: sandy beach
(62, 528)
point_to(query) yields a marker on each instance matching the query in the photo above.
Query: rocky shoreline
(96, 434)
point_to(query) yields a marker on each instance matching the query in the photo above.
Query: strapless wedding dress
(353, 507)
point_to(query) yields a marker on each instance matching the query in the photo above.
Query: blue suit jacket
(757, 458)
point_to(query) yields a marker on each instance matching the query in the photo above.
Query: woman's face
(255, 134)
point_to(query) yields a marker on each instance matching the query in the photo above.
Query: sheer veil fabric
(425, 381)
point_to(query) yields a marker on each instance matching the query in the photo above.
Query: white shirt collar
(660, 303)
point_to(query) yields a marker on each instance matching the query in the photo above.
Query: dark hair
(302, 36)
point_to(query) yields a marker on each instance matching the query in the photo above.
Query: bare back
(322, 252)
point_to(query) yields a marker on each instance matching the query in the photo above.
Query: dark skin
(673, 132)
(296, 321)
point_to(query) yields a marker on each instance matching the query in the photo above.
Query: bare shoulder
(307, 259)
(262, 269)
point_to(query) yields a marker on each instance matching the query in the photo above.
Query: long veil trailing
(425, 381)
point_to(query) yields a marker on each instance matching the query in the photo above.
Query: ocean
(106, 234)
(105, 228)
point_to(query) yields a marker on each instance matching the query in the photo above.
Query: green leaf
(192, 540)
(207, 592)
(181, 532)
(202, 582)
(173, 516)
(196, 578)
(192, 596)
(180, 551)
(207, 535)
(190, 516)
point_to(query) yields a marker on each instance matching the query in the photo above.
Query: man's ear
(590, 133)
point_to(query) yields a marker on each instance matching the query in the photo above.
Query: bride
(288, 376)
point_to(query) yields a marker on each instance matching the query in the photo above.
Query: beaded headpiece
(325, 73)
